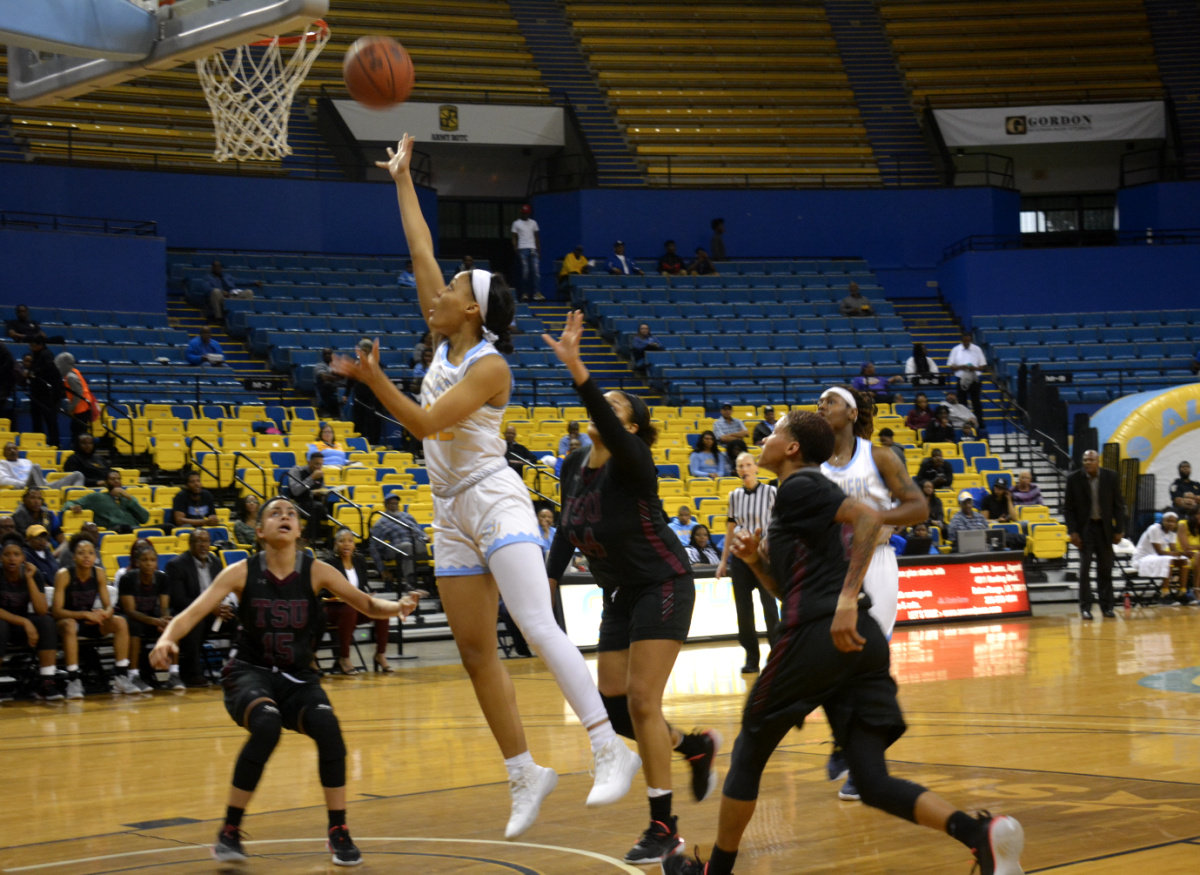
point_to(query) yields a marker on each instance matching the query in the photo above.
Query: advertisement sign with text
(987, 587)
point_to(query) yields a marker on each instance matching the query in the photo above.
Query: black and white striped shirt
(751, 510)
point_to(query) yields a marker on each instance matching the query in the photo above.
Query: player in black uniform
(22, 585)
(146, 603)
(612, 514)
(269, 681)
(830, 653)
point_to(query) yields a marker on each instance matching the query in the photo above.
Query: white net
(250, 91)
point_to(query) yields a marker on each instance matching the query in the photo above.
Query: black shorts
(244, 683)
(806, 671)
(84, 629)
(662, 612)
(142, 630)
(13, 634)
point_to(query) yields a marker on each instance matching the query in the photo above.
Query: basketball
(378, 72)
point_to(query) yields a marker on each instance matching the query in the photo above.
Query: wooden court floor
(1089, 734)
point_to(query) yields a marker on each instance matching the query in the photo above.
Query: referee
(750, 507)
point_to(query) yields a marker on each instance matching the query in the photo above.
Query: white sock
(655, 793)
(601, 735)
(517, 764)
(71, 668)
(174, 669)
(47, 671)
(122, 663)
(520, 573)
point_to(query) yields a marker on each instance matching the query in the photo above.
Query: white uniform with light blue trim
(480, 504)
(860, 479)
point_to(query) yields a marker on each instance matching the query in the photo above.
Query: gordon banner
(456, 123)
(1021, 125)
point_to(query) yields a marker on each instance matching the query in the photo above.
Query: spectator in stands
(114, 508)
(8, 527)
(867, 381)
(203, 350)
(961, 416)
(221, 286)
(405, 534)
(518, 455)
(305, 486)
(700, 549)
(365, 407)
(347, 560)
(194, 505)
(919, 532)
(79, 403)
(16, 472)
(937, 514)
(997, 505)
(702, 265)
(887, 438)
(669, 263)
(764, 428)
(936, 470)
(573, 444)
(188, 575)
(8, 383)
(1189, 547)
(245, 522)
(919, 364)
(25, 616)
(1185, 490)
(1094, 512)
(328, 385)
(1157, 556)
(706, 459)
(940, 431)
(575, 262)
(1026, 492)
(683, 523)
(921, 414)
(422, 367)
(854, 304)
(527, 243)
(546, 529)
(33, 512)
(330, 448)
(145, 598)
(642, 343)
(730, 433)
(418, 350)
(716, 245)
(91, 465)
(572, 432)
(966, 518)
(23, 329)
(467, 264)
(38, 551)
(89, 530)
(619, 264)
(45, 390)
(406, 280)
(968, 362)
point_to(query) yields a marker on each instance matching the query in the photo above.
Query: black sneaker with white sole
(228, 848)
(345, 852)
(704, 776)
(47, 689)
(681, 864)
(656, 844)
(1000, 852)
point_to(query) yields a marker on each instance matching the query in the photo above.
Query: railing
(1147, 237)
(984, 168)
(199, 439)
(21, 221)
(1149, 165)
(561, 173)
(238, 454)
(1017, 419)
(114, 434)
(202, 384)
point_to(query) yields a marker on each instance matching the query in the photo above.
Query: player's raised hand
(567, 346)
(398, 159)
(164, 654)
(365, 368)
(745, 546)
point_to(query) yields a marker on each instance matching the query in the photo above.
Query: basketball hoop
(250, 90)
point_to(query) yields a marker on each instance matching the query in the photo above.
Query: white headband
(843, 394)
(481, 285)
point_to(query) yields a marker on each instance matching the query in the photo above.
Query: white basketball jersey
(471, 449)
(860, 479)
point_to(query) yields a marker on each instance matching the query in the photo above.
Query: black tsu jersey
(281, 620)
(145, 597)
(808, 548)
(14, 594)
(612, 514)
(81, 595)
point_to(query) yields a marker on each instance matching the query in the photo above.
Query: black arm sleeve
(630, 453)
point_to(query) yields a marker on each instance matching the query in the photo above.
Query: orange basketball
(378, 72)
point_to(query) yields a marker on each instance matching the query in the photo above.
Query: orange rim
(319, 28)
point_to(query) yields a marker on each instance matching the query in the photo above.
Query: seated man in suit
(188, 575)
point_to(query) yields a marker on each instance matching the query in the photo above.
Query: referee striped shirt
(750, 509)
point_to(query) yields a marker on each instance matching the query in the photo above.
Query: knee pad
(618, 715)
(265, 725)
(321, 725)
(745, 771)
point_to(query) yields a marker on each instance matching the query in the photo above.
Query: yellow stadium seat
(165, 426)
(73, 522)
(948, 449)
(170, 459)
(230, 427)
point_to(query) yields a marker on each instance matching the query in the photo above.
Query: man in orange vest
(80, 403)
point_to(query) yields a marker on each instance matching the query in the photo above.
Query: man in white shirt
(961, 416)
(527, 242)
(967, 361)
(1156, 554)
(17, 473)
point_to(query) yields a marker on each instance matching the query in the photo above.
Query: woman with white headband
(488, 544)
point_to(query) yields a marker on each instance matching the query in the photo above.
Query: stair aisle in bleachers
(550, 41)
(610, 370)
(1175, 28)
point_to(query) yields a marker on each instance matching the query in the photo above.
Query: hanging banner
(1020, 125)
(456, 123)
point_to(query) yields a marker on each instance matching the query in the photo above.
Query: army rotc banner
(456, 123)
(1018, 125)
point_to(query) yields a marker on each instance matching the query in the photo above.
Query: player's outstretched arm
(913, 507)
(166, 651)
(867, 523)
(325, 576)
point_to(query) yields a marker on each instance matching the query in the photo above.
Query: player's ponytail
(640, 416)
(864, 424)
(501, 308)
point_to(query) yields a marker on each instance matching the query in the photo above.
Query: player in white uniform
(875, 476)
(487, 543)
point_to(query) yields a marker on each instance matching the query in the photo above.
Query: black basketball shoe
(228, 848)
(1000, 851)
(680, 864)
(344, 851)
(657, 843)
(704, 776)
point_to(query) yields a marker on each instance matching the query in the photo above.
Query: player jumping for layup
(269, 681)
(830, 653)
(876, 476)
(487, 540)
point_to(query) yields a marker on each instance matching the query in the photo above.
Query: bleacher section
(472, 52)
(762, 329)
(984, 52)
(1107, 354)
(716, 93)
